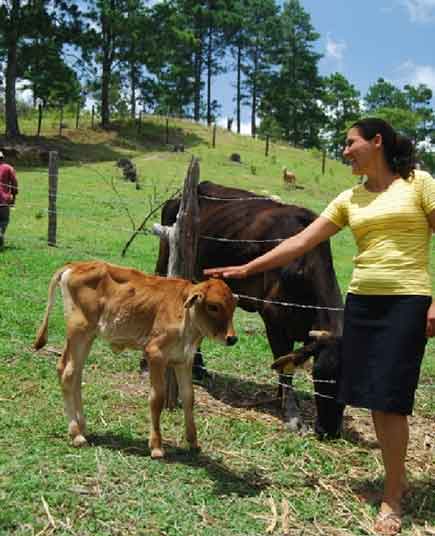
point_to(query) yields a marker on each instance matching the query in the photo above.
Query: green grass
(252, 477)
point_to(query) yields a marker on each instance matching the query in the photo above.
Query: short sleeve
(337, 210)
(428, 193)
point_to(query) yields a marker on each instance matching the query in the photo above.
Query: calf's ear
(195, 297)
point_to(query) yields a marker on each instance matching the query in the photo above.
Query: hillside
(147, 141)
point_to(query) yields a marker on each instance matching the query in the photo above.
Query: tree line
(163, 57)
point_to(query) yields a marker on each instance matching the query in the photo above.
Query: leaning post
(183, 246)
(52, 197)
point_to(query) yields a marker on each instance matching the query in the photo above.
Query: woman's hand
(230, 272)
(430, 321)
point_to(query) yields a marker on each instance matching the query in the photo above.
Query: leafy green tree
(341, 103)
(25, 24)
(171, 84)
(262, 38)
(408, 110)
(112, 40)
(295, 87)
(237, 40)
(51, 80)
(384, 94)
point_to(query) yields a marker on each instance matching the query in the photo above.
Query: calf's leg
(184, 379)
(69, 368)
(156, 401)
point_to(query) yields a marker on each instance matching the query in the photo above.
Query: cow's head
(212, 306)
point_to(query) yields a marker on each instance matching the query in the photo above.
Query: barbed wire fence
(86, 215)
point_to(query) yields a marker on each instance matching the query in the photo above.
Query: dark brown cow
(165, 317)
(237, 216)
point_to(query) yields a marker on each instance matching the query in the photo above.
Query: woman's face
(360, 152)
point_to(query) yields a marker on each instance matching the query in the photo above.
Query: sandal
(388, 523)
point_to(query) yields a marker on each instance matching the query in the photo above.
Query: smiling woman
(388, 312)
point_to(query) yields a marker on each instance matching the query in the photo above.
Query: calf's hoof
(79, 441)
(157, 453)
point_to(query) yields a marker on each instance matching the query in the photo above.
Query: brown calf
(288, 176)
(165, 317)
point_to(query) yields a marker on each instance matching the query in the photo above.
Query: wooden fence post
(266, 153)
(61, 121)
(183, 245)
(213, 143)
(52, 197)
(78, 115)
(167, 131)
(39, 119)
(92, 116)
(323, 161)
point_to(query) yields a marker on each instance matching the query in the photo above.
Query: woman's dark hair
(399, 150)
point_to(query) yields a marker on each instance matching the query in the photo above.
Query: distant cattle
(165, 317)
(129, 171)
(237, 226)
(235, 157)
(288, 176)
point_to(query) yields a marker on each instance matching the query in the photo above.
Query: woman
(388, 312)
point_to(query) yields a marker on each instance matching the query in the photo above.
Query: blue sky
(365, 40)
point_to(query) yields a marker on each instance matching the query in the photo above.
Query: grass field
(252, 477)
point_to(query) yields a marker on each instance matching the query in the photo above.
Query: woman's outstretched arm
(295, 246)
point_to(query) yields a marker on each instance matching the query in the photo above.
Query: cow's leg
(329, 412)
(156, 401)
(199, 370)
(69, 368)
(281, 344)
(184, 379)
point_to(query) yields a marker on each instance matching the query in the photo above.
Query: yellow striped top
(392, 234)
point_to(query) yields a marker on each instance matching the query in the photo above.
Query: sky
(365, 40)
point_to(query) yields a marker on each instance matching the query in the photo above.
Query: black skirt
(384, 338)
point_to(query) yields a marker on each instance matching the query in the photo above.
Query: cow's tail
(42, 335)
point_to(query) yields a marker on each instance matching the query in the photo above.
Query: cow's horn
(297, 357)
(320, 334)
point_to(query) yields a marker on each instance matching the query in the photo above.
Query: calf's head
(212, 306)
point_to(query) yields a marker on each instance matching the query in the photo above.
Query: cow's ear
(195, 297)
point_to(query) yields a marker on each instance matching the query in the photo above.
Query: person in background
(388, 312)
(8, 193)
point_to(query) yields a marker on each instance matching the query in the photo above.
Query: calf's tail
(42, 335)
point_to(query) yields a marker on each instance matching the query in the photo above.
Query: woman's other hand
(430, 321)
(230, 272)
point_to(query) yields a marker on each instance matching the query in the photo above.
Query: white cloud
(411, 73)
(420, 10)
(335, 49)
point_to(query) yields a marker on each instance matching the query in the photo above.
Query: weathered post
(323, 161)
(92, 116)
(213, 143)
(167, 131)
(266, 152)
(61, 120)
(78, 114)
(39, 119)
(52, 197)
(183, 245)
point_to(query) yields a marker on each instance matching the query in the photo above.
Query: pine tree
(295, 87)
